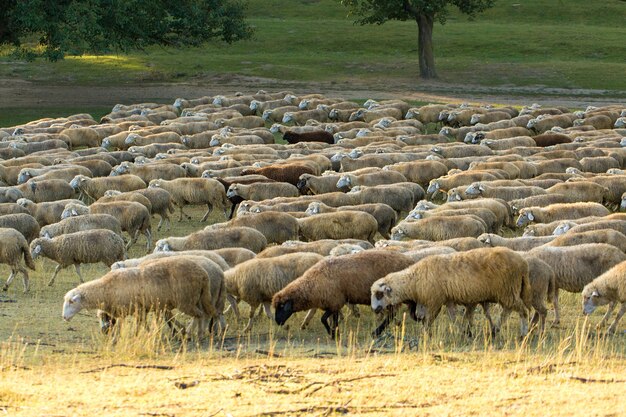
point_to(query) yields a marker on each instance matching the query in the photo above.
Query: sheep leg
(232, 211)
(80, 276)
(468, 318)
(324, 320)
(506, 312)
(206, 215)
(9, 280)
(268, 311)
(354, 309)
(148, 234)
(233, 303)
(160, 223)
(389, 316)
(557, 314)
(251, 317)
(451, 307)
(133, 239)
(602, 322)
(56, 271)
(620, 313)
(182, 213)
(492, 325)
(308, 318)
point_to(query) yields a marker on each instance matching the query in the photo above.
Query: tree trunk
(425, 25)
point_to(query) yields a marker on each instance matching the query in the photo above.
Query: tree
(424, 12)
(98, 26)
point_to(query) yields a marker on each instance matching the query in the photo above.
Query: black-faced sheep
(609, 288)
(186, 191)
(193, 285)
(576, 266)
(12, 247)
(469, 278)
(84, 247)
(257, 280)
(333, 282)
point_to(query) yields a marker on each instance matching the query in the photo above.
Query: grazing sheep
(149, 172)
(290, 172)
(12, 208)
(440, 228)
(84, 247)
(348, 181)
(257, 280)
(483, 189)
(333, 282)
(576, 266)
(582, 191)
(540, 200)
(114, 195)
(339, 225)
(94, 188)
(609, 288)
(23, 223)
(311, 184)
(448, 182)
(395, 196)
(541, 125)
(498, 207)
(47, 212)
(235, 256)
(193, 285)
(345, 249)
(185, 191)
(75, 224)
(259, 191)
(215, 238)
(322, 247)
(420, 172)
(550, 139)
(524, 243)
(559, 212)
(12, 247)
(543, 286)
(277, 227)
(135, 262)
(62, 172)
(134, 217)
(589, 225)
(161, 201)
(45, 190)
(385, 215)
(492, 222)
(469, 278)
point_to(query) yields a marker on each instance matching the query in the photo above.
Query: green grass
(574, 44)
(12, 116)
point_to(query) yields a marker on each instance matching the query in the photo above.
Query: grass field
(573, 45)
(52, 367)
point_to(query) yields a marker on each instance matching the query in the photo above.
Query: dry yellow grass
(50, 367)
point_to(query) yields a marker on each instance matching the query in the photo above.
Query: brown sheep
(333, 282)
(277, 227)
(385, 215)
(282, 173)
(559, 212)
(186, 191)
(12, 247)
(440, 228)
(22, 222)
(608, 288)
(323, 247)
(339, 225)
(215, 238)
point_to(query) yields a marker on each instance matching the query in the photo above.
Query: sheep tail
(28, 259)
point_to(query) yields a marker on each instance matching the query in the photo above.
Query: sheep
(257, 280)
(508, 143)
(289, 172)
(598, 121)
(550, 139)
(84, 247)
(94, 188)
(345, 249)
(300, 118)
(385, 215)
(323, 247)
(582, 191)
(186, 191)
(491, 221)
(13, 246)
(81, 137)
(47, 212)
(311, 184)
(609, 236)
(440, 228)
(492, 116)
(215, 238)
(599, 164)
(591, 225)
(259, 191)
(128, 196)
(45, 190)
(421, 253)
(576, 266)
(524, 243)
(540, 200)
(563, 211)
(338, 225)
(292, 137)
(335, 281)
(420, 172)
(498, 207)
(541, 125)
(609, 288)
(469, 278)
(134, 217)
(63, 172)
(135, 139)
(447, 182)
(483, 189)
(235, 256)
(160, 200)
(395, 196)
(135, 262)
(80, 223)
(150, 172)
(23, 223)
(348, 181)
(543, 287)
(277, 227)
(193, 285)
(12, 208)
(496, 134)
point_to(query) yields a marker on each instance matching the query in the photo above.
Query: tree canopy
(98, 26)
(424, 12)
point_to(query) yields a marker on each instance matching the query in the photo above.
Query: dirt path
(21, 93)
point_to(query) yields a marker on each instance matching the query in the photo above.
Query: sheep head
(78, 182)
(283, 310)
(474, 189)
(72, 304)
(380, 293)
(35, 247)
(24, 176)
(622, 206)
(454, 195)
(592, 299)
(397, 233)
(433, 186)
(232, 191)
(313, 208)
(344, 182)
(563, 228)
(287, 118)
(525, 217)
(162, 246)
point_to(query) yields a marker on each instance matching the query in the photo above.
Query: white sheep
(13, 246)
(609, 288)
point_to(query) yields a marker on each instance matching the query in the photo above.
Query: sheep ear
(595, 294)
(75, 298)
(74, 212)
(288, 307)
(530, 216)
(387, 290)
(480, 187)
